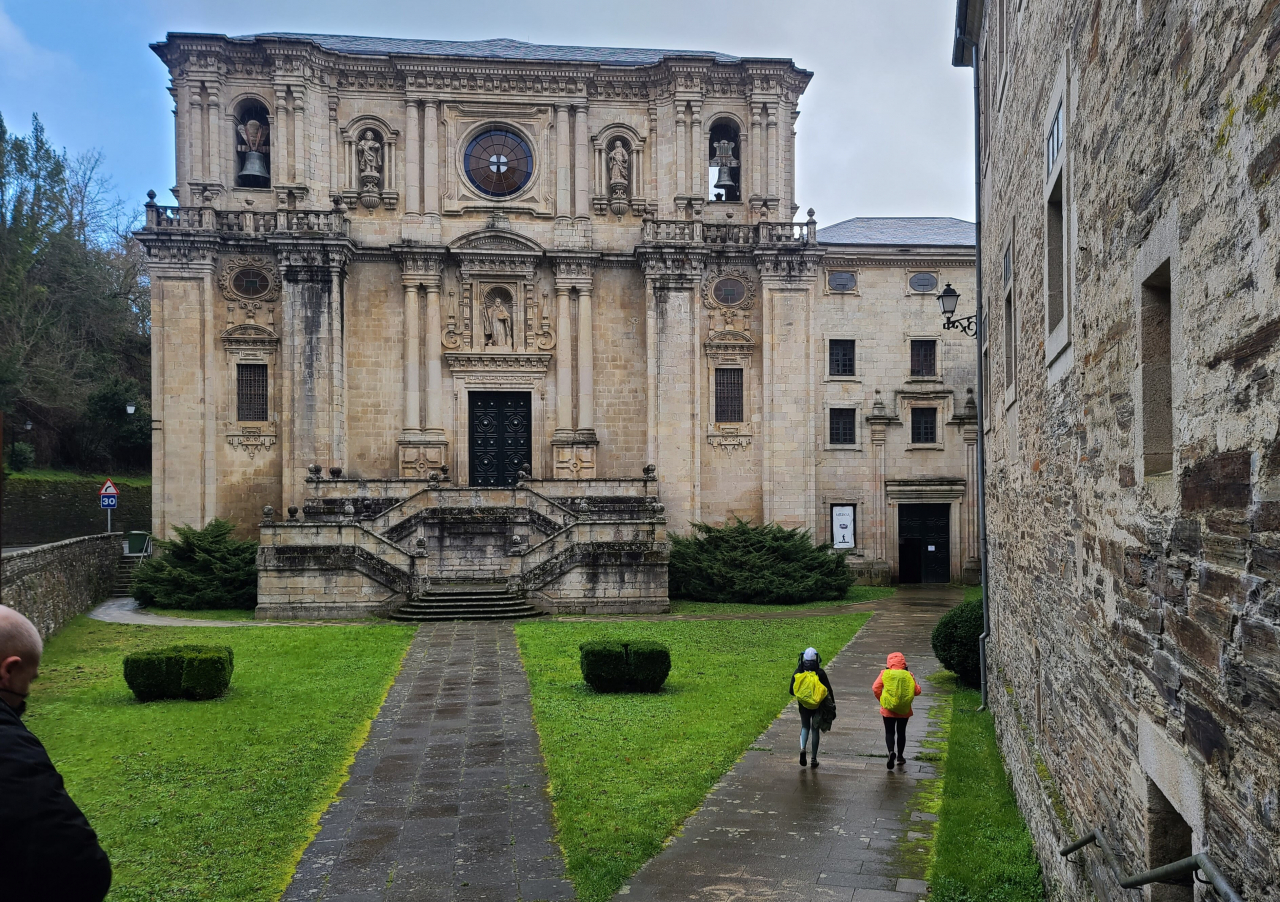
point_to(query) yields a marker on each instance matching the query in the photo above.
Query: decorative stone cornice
(311, 259)
(465, 362)
(420, 265)
(574, 270)
(672, 267)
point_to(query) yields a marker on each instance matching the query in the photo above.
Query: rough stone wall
(1136, 647)
(51, 584)
(322, 594)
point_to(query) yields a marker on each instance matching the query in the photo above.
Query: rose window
(498, 163)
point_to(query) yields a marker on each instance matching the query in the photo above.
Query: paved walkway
(774, 832)
(447, 799)
(126, 610)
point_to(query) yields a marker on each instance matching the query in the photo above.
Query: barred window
(728, 394)
(840, 357)
(844, 426)
(924, 357)
(251, 391)
(924, 425)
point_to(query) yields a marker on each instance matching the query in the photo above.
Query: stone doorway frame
(498, 372)
(928, 490)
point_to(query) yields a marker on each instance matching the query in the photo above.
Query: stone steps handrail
(439, 498)
(583, 532)
(1164, 874)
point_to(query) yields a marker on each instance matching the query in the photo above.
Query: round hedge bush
(194, 672)
(611, 665)
(955, 641)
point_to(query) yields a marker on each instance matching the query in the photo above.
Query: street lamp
(947, 302)
(130, 407)
(27, 426)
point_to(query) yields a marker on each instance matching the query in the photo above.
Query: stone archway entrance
(500, 437)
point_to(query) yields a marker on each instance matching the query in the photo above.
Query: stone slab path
(774, 832)
(447, 800)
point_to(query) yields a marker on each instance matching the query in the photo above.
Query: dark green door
(924, 543)
(500, 437)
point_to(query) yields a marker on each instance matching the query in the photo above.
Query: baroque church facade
(435, 314)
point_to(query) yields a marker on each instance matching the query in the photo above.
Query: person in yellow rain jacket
(895, 688)
(807, 667)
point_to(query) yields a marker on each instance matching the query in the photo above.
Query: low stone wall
(607, 587)
(51, 584)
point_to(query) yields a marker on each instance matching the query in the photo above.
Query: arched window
(724, 162)
(253, 145)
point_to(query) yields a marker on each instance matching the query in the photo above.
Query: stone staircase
(125, 567)
(466, 600)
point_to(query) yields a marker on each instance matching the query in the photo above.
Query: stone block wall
(608, 588)
(51, 584)
(1136, 602)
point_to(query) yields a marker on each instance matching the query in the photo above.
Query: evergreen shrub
(955, 641)
(194, 672)
(202, 569)
(747, 564)
(610, 665)
(22, 456)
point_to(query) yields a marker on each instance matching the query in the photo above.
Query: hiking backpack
(898, 691)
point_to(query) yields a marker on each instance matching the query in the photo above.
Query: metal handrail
(1164, 874)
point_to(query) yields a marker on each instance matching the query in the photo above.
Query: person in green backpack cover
(895, 688)
(810, 686)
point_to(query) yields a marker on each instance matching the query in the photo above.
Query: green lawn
(855, 595)
(211, 800)
(982, 850)
(34, 475)
(222, 614)
(626, 770)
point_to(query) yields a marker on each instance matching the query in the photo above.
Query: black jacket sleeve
(822, 678)
(791, 684)
(47, 848)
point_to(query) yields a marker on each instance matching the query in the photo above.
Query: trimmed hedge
(195, 672)
(746, 564)
(955, 641)
(610, 665)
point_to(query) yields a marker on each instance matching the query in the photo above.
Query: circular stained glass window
(729, 292)
(923, 281)
(499, 163)
(841, 281)
(251, 283)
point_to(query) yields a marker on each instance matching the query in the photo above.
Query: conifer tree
(202, 569)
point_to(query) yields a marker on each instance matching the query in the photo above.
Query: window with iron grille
(924, 357)
(840, 356)
(844, 426)
(728, 394)
(924, 425)
(251, 392)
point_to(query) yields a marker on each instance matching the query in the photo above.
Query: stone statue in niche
(619, 177)
(369, 156)
(497, 323)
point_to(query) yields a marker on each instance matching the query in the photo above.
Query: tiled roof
(496, 48)
(903, 230)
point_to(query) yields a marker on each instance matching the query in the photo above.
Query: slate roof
(901, 230)
(495, 48)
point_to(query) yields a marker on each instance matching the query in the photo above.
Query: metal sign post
(108, 496)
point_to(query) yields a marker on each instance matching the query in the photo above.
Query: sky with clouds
(886, 126)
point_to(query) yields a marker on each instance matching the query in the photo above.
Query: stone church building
(489, 318)
(1130, 183)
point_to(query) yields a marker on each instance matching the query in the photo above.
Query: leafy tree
(768, 564)
(202, 569)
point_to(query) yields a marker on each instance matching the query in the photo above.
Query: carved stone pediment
(492, 362)
(250, 340)
(496, 241)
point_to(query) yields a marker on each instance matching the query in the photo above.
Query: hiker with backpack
(895, 688)
(812, 689)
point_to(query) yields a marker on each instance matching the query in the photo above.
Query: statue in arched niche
(498, 332)
(619, 176)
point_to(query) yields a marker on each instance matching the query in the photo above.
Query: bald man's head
(20, 651)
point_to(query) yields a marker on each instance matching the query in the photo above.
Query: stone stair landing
(466, 600)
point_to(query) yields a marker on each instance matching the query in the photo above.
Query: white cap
(811, 654)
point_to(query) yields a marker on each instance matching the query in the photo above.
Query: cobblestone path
(447, 799)
(774, 832)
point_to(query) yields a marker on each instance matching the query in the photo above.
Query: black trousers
(898, 726)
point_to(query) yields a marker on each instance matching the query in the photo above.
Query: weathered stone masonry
(1133, 455)
(52, 584)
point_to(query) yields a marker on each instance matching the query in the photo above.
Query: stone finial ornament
(335, 472)
(314, 470)
(268, 514)
(650, 471)
(293, 513)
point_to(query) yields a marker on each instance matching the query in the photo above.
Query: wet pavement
(775, 832)
(447, 799)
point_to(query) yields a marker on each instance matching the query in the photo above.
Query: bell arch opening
(253, 145)
(724, 162)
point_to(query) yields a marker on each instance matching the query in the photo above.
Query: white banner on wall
(842, 531)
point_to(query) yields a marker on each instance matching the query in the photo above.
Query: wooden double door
(924, 543)
(501, 437)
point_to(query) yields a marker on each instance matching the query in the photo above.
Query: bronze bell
(724, 180)
(255, 166)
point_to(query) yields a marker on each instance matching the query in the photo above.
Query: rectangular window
(840, 357)
(1008, 264)
(844, 426)
(1053, 141)
(924, 425)
(728, 394)
(924, 357)
(1010, 341)
(251, 392)
(1055, 255)
(1157, 372)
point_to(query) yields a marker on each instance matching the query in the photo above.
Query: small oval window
(841, 281)
(729, 292)
(923, 281)
(251, 283)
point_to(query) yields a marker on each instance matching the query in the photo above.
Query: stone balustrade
(697, 231)
(249, 222)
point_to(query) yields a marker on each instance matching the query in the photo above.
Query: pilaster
(574, 449)
(423, 448)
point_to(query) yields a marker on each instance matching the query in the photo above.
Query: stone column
(773, 152)
(681, 153)
(757, 151)
(412, 397)
(412, 167)
(197, 140)
(299, 128)
(581, 190)
(698, 155)
(564, 366)
(280, 143)
(431, 157)
(562, 161)
(877, 521)
(435, 377)
(215, 134)
(335, 147)
(586, 375)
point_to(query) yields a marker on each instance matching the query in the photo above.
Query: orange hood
(896, 661)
